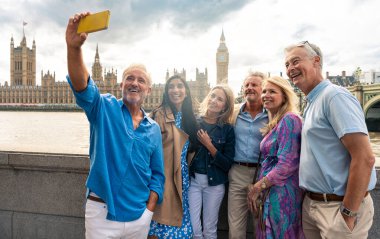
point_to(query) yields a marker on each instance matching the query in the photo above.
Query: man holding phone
(126, 175)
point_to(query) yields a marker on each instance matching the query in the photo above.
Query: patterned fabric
(185, 231)
(282, 207)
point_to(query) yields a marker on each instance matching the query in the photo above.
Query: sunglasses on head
(308, 45)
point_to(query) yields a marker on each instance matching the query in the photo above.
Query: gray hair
(312, 49)
(255, 73)
(139, 67)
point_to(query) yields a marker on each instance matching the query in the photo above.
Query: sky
(184, 34)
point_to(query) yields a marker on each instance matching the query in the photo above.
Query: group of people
(164, 175)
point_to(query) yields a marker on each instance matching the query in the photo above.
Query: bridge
(369, 98)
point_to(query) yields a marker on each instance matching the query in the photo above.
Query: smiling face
(302, 69)
(135, 87)
(252, 88)
(273, 97)
(176, 93)
(217, 102)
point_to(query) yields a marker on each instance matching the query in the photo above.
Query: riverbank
(41, 107)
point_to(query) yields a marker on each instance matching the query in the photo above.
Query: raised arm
(74, 41)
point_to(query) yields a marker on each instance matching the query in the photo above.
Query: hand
(252, 197)
(73, 39)
(152, 201)
(203, 137)
(350, 221)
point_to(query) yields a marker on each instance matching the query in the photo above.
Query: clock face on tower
(222, 58)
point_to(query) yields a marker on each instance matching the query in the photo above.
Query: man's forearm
(362, 161)
(77, 70)
(359, 177)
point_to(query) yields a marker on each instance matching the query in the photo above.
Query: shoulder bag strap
(257, 169)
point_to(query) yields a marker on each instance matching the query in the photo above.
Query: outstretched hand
(73, 39)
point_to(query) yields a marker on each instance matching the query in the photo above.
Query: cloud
(303, 30)
(169, 34)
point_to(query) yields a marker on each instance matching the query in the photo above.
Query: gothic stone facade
(23, 88)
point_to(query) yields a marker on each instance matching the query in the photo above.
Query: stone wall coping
(45, 161)
(60, 162)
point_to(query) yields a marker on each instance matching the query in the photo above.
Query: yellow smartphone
(94, 22)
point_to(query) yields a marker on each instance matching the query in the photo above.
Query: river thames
(65, 132)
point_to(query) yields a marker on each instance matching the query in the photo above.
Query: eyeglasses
(308, 45)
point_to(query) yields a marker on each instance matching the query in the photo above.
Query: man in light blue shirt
(337, 163)
(248, 118)
(126, 175)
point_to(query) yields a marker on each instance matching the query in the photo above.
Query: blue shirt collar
(315, 92)
(264, 111)
(243, 106)
(121, 103)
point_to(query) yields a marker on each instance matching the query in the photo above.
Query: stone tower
(97, 68)
(23, 64)
(222, 59)
(47, 79)
(110, 77)
(176, 72)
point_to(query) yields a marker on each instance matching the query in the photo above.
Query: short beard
(139, 102)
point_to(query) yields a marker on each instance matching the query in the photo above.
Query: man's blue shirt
(248, 135)
(125, 164)
(331, 112)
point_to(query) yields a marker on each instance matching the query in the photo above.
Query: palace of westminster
(23, 88)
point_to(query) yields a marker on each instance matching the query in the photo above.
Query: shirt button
(210, 178)
(209, 166)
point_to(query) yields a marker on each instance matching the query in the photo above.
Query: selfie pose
(126, 176)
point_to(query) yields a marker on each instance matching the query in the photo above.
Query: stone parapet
(43, 196)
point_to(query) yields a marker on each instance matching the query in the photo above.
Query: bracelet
(264, 183)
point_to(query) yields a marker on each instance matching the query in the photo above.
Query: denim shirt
(216, 168)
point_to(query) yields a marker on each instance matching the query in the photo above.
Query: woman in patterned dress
(209, 168)
(178, 125)
(278, 187)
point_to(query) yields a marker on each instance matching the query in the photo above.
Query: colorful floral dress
(185, 231)
(283, 204)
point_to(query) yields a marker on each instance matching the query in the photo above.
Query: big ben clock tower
(222, 59)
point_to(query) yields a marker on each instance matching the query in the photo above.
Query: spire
(222, 38)
(222, 44)
(23, 26)
(97, 52)
(23, 41)
(97, 69)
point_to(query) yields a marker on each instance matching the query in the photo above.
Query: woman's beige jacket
(170, 211)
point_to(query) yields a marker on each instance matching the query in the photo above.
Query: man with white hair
(337, 163)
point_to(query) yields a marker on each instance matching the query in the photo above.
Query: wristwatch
(263, 183)
(347, 212)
